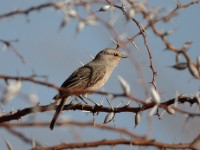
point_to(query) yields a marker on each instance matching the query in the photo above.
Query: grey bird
(91, 76)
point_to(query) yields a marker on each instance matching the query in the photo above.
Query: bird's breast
(104, 76)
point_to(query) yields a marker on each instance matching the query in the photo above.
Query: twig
(20, 135)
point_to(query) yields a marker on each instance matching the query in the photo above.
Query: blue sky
(56, 53)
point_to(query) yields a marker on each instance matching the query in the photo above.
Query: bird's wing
(85, 77)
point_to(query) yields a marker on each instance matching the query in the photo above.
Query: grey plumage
(91, 76)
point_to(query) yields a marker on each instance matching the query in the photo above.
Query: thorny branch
(56, 5)
(106, 142)
(97, 108)
(147, 14)
(142, 32)
(138, 140)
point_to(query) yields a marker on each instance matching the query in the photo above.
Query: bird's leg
(83, 99)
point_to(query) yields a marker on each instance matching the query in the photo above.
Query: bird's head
(110, 56)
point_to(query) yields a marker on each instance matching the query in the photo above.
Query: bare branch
(106, 142)
(56, 5)
(20, 135)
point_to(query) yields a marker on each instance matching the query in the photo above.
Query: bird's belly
(100, 83)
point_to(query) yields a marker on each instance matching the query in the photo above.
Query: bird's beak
(123, 56)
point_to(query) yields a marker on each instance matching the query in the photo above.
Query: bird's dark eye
(115, 54)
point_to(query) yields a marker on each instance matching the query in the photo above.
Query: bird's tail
(58, 111)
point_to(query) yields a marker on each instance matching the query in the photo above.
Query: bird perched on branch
(91, 76)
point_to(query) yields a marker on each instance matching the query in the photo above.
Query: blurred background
(55, 53)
